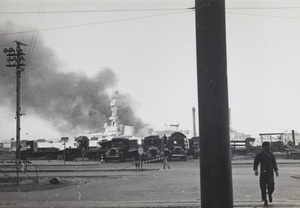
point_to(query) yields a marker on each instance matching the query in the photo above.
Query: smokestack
(293, 136)
(194, 122)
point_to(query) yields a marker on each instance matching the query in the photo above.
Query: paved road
(120, 185)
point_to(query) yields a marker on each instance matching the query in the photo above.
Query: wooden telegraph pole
(15, 58)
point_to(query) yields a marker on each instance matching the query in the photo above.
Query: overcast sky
(150, 48)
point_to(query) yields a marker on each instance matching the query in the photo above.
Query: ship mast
(113, 128)
(114, 120)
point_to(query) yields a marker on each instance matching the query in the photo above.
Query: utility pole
(215, 159)
(15, 58)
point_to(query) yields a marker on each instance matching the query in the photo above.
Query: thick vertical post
(18, 104)
(215, 157)
(15, 58)
(18, 125)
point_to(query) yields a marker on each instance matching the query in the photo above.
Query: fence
(14, 170)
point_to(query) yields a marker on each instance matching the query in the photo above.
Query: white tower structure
(113, 128)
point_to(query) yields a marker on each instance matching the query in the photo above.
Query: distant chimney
(194, 122)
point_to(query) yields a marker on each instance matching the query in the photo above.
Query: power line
(262, 15)
(35, 34)
(262, 8)
(138, 10)
(96, 11)
(142, 17)
(32, 46)
(94, 23)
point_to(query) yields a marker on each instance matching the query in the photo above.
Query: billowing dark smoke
(73, 102)
(127, 116)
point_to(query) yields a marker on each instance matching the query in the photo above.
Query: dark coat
(267, 162)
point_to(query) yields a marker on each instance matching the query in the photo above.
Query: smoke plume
(73, 102)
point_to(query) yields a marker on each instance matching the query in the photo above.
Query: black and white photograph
(149, 103)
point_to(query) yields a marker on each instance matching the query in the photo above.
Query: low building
(234, 135)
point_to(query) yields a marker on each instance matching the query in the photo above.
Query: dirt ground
(29, 185)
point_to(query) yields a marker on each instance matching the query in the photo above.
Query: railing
(18, 167)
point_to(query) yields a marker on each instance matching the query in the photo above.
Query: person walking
(268, 165)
